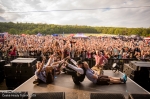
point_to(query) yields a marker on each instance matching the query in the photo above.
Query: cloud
(100, 13)
(2, 19)
(1, 10)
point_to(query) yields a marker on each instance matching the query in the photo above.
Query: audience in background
(80, 48)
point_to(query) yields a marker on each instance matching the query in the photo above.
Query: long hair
(82, 77)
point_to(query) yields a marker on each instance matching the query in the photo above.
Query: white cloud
(125, 17)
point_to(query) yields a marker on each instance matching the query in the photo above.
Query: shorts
(103, 80)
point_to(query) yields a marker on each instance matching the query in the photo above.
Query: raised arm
(50, 61)
(40, 66)
(79, 70)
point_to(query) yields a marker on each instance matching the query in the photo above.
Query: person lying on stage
(78, 73)
(45, 73)
(102, 79)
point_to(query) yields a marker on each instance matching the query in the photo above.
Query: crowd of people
(98, 48)
(83, 48)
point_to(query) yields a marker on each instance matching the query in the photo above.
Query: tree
(144, 33)
(31, 28)
(12, 31)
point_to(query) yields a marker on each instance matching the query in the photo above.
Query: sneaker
(36, 82)
(124, 78)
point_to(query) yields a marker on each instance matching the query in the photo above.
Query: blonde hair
(86, 64)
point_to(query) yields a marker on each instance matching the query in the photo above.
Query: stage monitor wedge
(48, 95)
(106, 96)
(139, 96)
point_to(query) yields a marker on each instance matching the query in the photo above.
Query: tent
(4, 35)
(39, 34)
(80, 35)
(54, 34)
(147, 38)
(71, 35)
(23, 35)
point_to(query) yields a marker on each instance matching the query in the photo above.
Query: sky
(109, 13)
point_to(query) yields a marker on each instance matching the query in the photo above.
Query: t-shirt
(89, 75)
(99, 60)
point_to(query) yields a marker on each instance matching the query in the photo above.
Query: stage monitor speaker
(136, 65)
(49, 95)
(2, 76)
(24, 78)
(9, 70)
(12, 82)
(13, 95)
(106, 96)
(25, 62)
(140, 76)
(2, 63)
(139, 96)
(27, 71)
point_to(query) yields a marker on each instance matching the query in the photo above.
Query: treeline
(31, 28)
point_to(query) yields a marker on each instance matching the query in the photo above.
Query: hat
(79, 62)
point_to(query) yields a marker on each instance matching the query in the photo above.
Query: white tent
(147, 38)
(80, 35)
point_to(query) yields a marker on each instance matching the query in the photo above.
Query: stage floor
(64, 83)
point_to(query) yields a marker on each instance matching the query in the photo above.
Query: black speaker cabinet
(49, 95)
(139, 96)
(13, 95)
(140, 76)
(106, 96)
(12, 81)
(136, 65)
(2, 63)
(24, 78)
(10, 71)
(25, 62)
(27, 71)
(2, 76)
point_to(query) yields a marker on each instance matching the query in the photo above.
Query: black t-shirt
(38, 53)
(32, 53)
(137, 49)
(92, 54)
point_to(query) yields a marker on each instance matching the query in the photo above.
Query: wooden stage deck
(64, 83)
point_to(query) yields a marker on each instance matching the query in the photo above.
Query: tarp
(71, 35)
(147, 38)
(4, 35)
(55, 34)
(80, 35)
(23, 35)
(39, 34)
